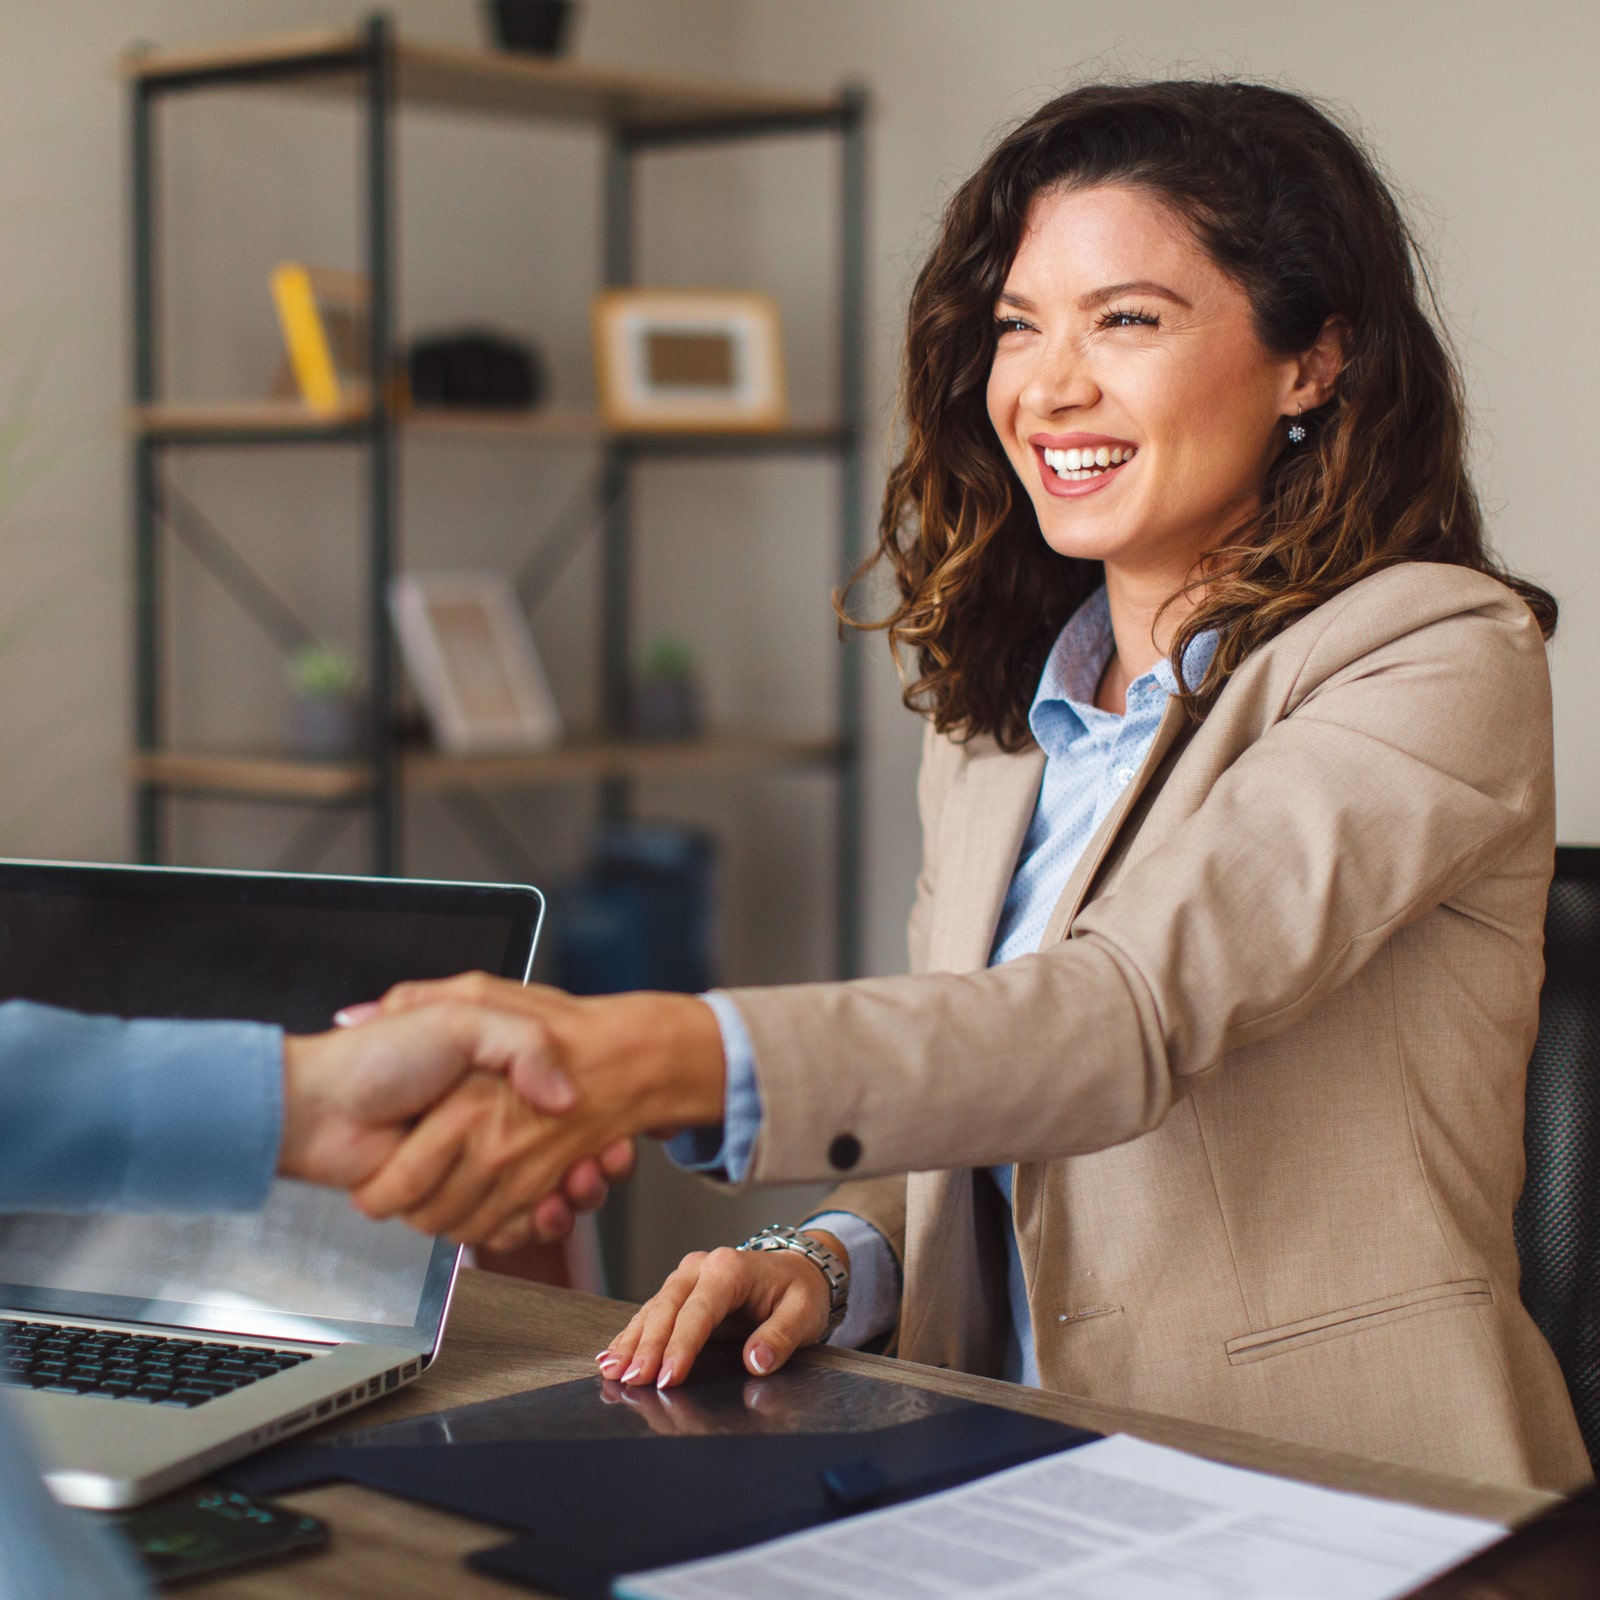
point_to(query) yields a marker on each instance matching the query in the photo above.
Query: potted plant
(666, 695)
(327, 701)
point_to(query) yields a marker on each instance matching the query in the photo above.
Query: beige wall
(1485, 116)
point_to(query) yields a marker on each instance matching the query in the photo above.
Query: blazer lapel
(1175, 728)
(981, 829)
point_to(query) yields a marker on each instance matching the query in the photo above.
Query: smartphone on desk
(203, 1532)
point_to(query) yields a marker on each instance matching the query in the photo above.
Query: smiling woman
(1113, 317)
(1191, 245)
(1204, 1094)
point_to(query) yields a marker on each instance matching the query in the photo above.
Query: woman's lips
(1088, 448)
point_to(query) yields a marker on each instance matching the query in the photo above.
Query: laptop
(144, 1351)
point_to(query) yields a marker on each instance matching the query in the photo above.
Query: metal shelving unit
(635, 115)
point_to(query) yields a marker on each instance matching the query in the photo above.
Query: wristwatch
(780, 1236)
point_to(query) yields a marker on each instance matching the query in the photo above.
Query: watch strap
(781, 1236)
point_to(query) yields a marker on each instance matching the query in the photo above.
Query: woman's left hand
(780, 1291)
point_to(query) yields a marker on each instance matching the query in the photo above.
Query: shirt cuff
(874, 1304)
(725, 1150)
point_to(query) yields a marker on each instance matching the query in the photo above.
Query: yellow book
(315, 307)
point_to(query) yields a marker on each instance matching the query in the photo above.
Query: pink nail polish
(761, 1359)
(603, 1358)
(632, 1373)
(664, 1377)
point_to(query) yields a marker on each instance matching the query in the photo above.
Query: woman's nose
(1060, 379)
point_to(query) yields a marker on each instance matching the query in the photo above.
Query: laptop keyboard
(131, 1366)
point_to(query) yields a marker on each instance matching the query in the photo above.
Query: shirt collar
(1077, 661)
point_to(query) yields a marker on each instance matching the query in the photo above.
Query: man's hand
(599, 1071)
(352, 1096)
(486, 1159)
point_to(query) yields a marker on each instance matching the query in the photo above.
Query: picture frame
(470, 655)
(689, 359)
(325, 317)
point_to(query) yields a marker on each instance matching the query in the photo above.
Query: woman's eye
(1129, 319)
(1009, 325)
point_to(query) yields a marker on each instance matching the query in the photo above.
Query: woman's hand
(598, 1070)
(784, 1294)
(481, 1164)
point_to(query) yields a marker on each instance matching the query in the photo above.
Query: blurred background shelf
(445, 77)
(268, 776)
(180, 779)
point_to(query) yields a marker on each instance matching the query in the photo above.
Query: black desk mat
(597, 1481)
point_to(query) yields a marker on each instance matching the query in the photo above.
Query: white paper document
(1118, 1519)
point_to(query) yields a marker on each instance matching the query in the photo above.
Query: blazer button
(844, 1152)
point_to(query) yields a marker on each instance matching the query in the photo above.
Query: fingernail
(556, 1093)
(664, 1377)
(349, 1016)
(761, 1359)
(632, 1373)
(610, 1366)
(604, 1357)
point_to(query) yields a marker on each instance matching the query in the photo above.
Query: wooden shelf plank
(203, 62)
(266, 777)
(500, 83)
(245, 774)
(221, 422)
(542, 425)
(531, 86)
(613, 759)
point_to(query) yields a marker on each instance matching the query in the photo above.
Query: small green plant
(669, 658)
(323, 672)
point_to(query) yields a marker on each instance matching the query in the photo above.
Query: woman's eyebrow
(1134, 286)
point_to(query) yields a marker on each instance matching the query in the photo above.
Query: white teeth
(1079, 465)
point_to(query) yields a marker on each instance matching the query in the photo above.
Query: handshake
(489, 1111)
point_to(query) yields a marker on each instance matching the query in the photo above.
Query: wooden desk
(506, 1336)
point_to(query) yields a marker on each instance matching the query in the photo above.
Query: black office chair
(1558, 1217)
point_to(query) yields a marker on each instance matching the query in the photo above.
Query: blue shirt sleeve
(873, 1306)
(726, 1150)
(98, 1114)
(54, 1550)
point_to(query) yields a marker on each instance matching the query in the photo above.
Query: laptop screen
(141, 942)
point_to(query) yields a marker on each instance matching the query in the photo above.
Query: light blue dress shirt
(100, 1115)
(1090, 758)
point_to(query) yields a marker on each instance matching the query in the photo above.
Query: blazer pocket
(1357, 1319)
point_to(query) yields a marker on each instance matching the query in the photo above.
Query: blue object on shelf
(642, 915)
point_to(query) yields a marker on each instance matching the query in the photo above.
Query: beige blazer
(1262, 1082)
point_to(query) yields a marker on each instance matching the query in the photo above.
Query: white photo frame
(471, 657)
(689, 359)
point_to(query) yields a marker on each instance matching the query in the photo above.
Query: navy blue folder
(597, 1481)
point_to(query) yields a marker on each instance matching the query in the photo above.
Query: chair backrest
(1558, 1217)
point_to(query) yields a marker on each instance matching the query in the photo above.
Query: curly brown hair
(1289, 205)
